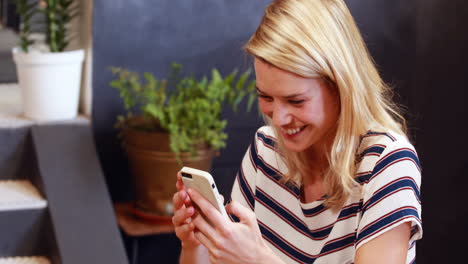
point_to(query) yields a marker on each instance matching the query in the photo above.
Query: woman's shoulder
(390, 175)
(380, 142)
(381, 151)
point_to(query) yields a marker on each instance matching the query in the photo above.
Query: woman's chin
(294, 147)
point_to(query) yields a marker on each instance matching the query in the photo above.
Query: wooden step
(25, 260)
(20, 195)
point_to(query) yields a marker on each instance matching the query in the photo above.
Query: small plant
(57, 15)
(25, 10)
(191, 114)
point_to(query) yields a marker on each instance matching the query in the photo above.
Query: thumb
(244, 214)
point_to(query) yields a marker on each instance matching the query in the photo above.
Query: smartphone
(203, 182)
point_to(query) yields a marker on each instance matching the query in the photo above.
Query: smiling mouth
(292, 131)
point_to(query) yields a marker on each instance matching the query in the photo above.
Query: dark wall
(419, 46)
(390, 31)
(441, 78)
(148, 36)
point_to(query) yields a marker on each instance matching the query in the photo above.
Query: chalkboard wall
(418, 45)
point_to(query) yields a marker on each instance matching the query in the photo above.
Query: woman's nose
(281, 115)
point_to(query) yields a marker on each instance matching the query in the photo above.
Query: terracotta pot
(154, 168)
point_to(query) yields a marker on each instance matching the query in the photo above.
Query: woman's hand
(226, 241)
(182, 219)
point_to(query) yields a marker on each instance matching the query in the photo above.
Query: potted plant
(48, 75)
(173, 129)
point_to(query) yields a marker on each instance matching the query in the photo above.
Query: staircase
(54, 204)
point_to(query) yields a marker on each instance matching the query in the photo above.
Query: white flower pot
(49, 83)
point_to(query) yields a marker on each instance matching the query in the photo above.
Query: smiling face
(305, 110)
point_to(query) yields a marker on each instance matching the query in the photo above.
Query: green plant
(191, 114)
(57, 15)
(25, 10)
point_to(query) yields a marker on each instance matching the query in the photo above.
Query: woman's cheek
(266, 108)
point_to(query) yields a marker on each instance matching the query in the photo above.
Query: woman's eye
(265, 97)
(296, 102)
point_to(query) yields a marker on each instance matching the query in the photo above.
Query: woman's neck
(313, 187)
(318, 162)
(312, 190)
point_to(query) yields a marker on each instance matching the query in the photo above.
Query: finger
(222, 198)
(181, 187)
(184, 231)
(213, 259)
(176, 201)
(202, 225)
(205, 241)
(207, 209)
(179, 183)
(179, 199)
(243, 213)
(183, 216)
(188, 201)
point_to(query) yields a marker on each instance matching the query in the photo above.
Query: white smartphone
(203, 182)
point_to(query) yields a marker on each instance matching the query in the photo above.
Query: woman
(332, 178)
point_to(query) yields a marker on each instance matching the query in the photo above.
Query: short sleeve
(391, 195)
(243, 190)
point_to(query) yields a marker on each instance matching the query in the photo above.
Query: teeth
(292, 131)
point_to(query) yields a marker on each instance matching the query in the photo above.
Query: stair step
(20, 195)
(25, 232)
(25, 260)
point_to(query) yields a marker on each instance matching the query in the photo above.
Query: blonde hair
(319, 39)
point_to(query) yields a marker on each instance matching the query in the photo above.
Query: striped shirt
(389, 173)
